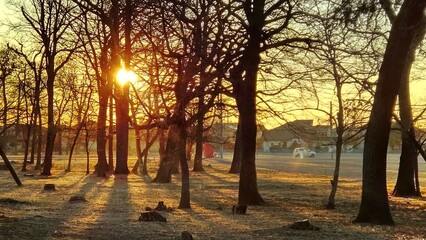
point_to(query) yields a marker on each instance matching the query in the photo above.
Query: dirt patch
(112, 207)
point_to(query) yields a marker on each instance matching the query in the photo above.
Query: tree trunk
(122, 93)
(37, 117)
(199, 130)
(138, 151)
(27, 143)
(188, 149)
(87, 138)
(18, 118)
(247, 191)
(101, 165)
(167, 162)
(246, 103)
(185, 199)
(39, 139)
(9, 166)
(162, 142)
(111, 135)
(406, 182)
(74, 142)
(238, 152)
(174, 155)
(51, 128)
(339, 144)
(122, 116)
(340, 131)
(59, 139)
(374, 206)
(185, 194)
(5, 102)
(33, 140)
(145, 154)
(27, 138)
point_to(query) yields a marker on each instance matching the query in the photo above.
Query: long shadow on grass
(309, 198)
(118, 218)
(32, 179)
(274, 191)
(294, 207)
(116, 209)
(307, 195)
(281, 210)
(274, 219)
(220, 179)
(54, 224)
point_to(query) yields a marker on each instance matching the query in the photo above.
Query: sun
(124, 76)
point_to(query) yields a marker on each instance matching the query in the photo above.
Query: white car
(303, 152)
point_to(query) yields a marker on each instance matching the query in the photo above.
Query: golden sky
(418, 85)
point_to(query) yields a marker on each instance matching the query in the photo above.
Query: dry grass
(114, 204)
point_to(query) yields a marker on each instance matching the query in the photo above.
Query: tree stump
(303, 225)
(49, 187)
(152, 216)
(186, 236)
(239, 209)
(77, 198)
(161, 207)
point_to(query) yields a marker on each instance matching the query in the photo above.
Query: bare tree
(263, 31)
(335, 79)
(82, 97)
(408, 25)
(31, 59)
(7, 67)
(51, 21)
(407, 183)
(97, 23)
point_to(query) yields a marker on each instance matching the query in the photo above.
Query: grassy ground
(114, 205)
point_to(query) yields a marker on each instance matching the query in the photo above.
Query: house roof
(292, 130)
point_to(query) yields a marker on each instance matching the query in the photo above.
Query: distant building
(299, 133)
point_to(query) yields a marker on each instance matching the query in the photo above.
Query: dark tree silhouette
(51, 20)
(407, 26)
(407, 183)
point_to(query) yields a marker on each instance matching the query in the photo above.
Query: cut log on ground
(49, 187)
(239, 209)
(186, 236)
(303, 225)
(152, 216)
(77, 198)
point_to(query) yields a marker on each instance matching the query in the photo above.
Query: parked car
(303, 152)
